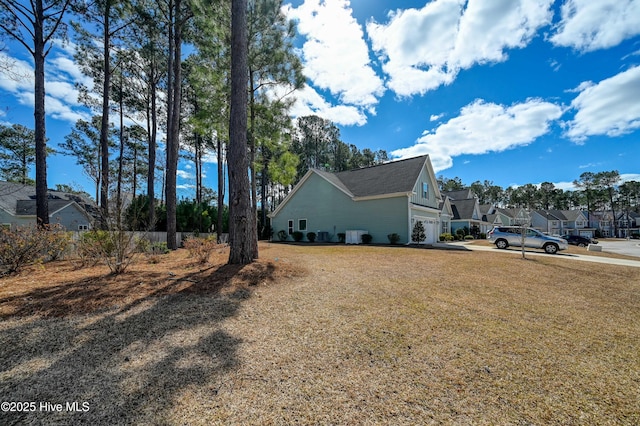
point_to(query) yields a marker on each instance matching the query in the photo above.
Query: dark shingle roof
(463, 209)
(389, 178)
(28, 207)
(462, 194)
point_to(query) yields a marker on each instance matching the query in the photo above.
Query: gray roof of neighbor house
(20, 200)
(462, 194)
(388, 178)
(463, 209)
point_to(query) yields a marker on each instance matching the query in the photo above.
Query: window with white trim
(290, 226)
(302, 224)
(425, 190)
(83, 227)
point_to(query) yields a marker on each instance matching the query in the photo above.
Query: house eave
(382, 196)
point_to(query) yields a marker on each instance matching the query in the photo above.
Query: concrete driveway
(627, 247)
(610, 246)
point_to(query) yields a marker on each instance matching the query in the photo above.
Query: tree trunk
(104, 127)
(152, 131)
(42, 203)
(173, 134)
(242, 229)
(219, 225)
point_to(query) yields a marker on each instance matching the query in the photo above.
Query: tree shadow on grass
(133, 362)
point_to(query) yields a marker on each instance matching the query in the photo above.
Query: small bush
(366, 238)
(482, 236)
(282, 235)
(469, 237)
(200, 248)
(297, 236)
(393, 238)
(311, 236)
(342, 237)
(160, 248)
(446, 237)
(25, 245)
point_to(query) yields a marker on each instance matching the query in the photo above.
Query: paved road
(609, 246)
(628, 247)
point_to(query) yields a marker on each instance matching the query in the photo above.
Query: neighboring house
(18, 207)
(446, 215)
(467, 212)
(628, 224)
(378, 200)
(603, 222)
(512, 216)
(562, 222)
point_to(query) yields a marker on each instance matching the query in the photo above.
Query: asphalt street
(626, 247)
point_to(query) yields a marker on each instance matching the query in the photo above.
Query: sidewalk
(464, 245)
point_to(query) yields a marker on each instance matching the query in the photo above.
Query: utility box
(354, 236)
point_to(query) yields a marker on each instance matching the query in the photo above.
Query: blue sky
(510, 91)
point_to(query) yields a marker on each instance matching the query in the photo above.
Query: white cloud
(310, 102)
(484, 127)
(335, 55)
(589, 25)
(61, 101)
(435, 117)
(426, 48)
(609, 108)
(183, 174)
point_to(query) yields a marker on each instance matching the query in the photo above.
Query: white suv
(505, 236)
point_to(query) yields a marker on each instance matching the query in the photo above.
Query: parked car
(579, 240)
(505, 236)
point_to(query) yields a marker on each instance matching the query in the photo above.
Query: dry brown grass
(327, 335)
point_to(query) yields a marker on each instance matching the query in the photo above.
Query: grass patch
(338, 335)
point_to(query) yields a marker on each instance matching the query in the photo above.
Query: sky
(508, 91)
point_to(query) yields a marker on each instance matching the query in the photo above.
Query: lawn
(325, 335)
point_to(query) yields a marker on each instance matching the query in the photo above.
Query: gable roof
(462, 194)
(395, 177)
(464, 209)
(388, 178)
(20, 200)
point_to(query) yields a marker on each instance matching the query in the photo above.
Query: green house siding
(328, 209)
(418, 196)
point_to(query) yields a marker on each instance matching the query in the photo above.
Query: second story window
(425, 190)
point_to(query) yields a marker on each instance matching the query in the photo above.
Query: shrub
(282, 235)
(55, 241)
(341, 237)
(115, 247)
(160, 248)
(460, 233)
(393, 238)
(418, 234)
(469, 237)
(311, 236)
(200, 248)
(366, 238)
(446, 237)
(24, 245)
(297, 236)
(482, 236)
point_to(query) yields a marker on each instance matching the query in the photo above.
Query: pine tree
(418, 234)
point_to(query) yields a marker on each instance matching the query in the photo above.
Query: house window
(425, 190)
(302, 224)
(83, 227)
(290, 226)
